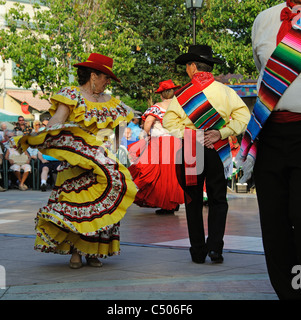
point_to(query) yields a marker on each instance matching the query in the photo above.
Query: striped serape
(199, 110)
(281, 70)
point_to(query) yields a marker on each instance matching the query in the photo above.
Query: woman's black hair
(84, 74)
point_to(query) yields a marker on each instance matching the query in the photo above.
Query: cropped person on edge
(208, 105)
(273, 138)
(92, 190)
(156, 179)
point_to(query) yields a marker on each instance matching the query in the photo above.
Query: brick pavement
(154, 263)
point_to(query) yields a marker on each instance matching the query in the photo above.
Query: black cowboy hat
(198, 53)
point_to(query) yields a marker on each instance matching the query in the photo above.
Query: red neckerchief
(286, 17)
(203, 78)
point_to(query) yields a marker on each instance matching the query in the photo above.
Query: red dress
(153, 166)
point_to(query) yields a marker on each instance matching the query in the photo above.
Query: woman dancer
(92, 190)
(153, 168)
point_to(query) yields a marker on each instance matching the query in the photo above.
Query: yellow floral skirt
(90, 197)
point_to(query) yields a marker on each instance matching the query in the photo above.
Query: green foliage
(164, 28)
(143, 36)
(226, 26)
(139, 105)
(161, 26)
(46, 45)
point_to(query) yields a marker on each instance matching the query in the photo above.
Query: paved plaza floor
(154, 264)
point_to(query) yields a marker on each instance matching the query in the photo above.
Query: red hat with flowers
(99, 62)
(166, 85)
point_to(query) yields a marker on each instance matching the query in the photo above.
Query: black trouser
(277, 175)
(216, 186)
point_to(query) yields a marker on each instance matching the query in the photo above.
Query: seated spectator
(21, 127)
(3, 127)
(48, 165)
(33, 152)
(36, 126)
(17, 163)
(8, 134)
(44, 123)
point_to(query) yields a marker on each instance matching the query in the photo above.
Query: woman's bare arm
(60, 116)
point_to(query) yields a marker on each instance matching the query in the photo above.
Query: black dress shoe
(198, 259)
(215, 257)
(163, 211)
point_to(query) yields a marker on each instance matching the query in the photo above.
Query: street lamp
(193, 5)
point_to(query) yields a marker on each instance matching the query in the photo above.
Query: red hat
(99, 62)
(166, 85)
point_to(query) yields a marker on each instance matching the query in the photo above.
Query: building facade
(16, 101)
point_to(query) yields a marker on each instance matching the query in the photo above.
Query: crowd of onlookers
(20, 166)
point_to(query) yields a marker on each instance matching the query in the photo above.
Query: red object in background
(24, 107)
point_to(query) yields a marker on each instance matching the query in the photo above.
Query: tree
(165, 30)
(161, 26)
(45, 46)
(143, 36)
(226, 26)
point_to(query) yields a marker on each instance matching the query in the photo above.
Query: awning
(245, 91)
(8, 116)
(25, 97)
